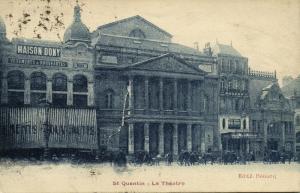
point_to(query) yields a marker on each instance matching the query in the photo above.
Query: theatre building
(167, 102)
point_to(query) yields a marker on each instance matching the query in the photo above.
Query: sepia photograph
(149, 96)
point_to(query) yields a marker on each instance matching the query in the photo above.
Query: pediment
(127, 25)
(167, 63)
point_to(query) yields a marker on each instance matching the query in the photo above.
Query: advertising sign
(38, 50)
(33, 127)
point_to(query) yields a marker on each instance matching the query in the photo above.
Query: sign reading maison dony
(39, 50)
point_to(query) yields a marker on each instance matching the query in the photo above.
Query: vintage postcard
(149, 96)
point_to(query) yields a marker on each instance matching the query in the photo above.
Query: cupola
(77, 31)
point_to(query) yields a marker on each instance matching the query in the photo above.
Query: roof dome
(77, 31)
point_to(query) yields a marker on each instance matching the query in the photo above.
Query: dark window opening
(59, 100)
(59, 82)
(109, 100)
(16, 98)
(234, 124)
(137, 33)
(223, 124)
(16, 80)
(38, 81)
(37, 99)
(80, 100)
(80, 83)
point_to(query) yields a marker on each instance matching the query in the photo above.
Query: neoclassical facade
(166, 102)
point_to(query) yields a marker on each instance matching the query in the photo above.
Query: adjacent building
(291, 89)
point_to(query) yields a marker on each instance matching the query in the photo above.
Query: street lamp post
(243, 137)
(46, 104)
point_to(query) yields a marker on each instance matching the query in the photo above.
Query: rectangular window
(80, 100)
(37, 99)
(234, 124)
(59, 100)
(109, 59)
(16, 98)
(254, 128)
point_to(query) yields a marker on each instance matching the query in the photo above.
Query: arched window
(206, 104)
(15, 80)
(222, 85)
(230, 85)
(38, 86)
(236, 105)
(16, 87)
(109, 99)
(79, 83)
(59, 82)
(80, 89)
(38, 81)
(59, 89)
(235, 84)
(298, 137)
(298, 120)
(137, 33)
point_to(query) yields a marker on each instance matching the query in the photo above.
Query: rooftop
(227, 50)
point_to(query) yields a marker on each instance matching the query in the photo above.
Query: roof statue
(2, 29)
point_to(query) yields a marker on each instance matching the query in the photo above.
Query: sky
(267, 32)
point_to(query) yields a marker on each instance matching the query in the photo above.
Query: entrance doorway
(153, 138)
(182, 138)
(168, 138)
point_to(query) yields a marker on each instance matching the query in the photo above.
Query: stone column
(175, 139)
(146, 133)
(70, 93)
(265, 127)
(49, 91)
(27, 91)
(146, 93)
(131, 95)
(247, 146)
(175, 96)
(91, 94)
(4, 95)
(189, 97)
(189, 137)
(202, 140)
(161, 139)
(130, 138)
(161, 87)
(283, 128)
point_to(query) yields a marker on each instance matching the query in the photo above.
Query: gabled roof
(110, 40)
(292, 88)
(266, 90)
(131, 18)
(188, 67)
(223, 49)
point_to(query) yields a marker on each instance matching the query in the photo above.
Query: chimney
(207, 49)
(196, 45)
